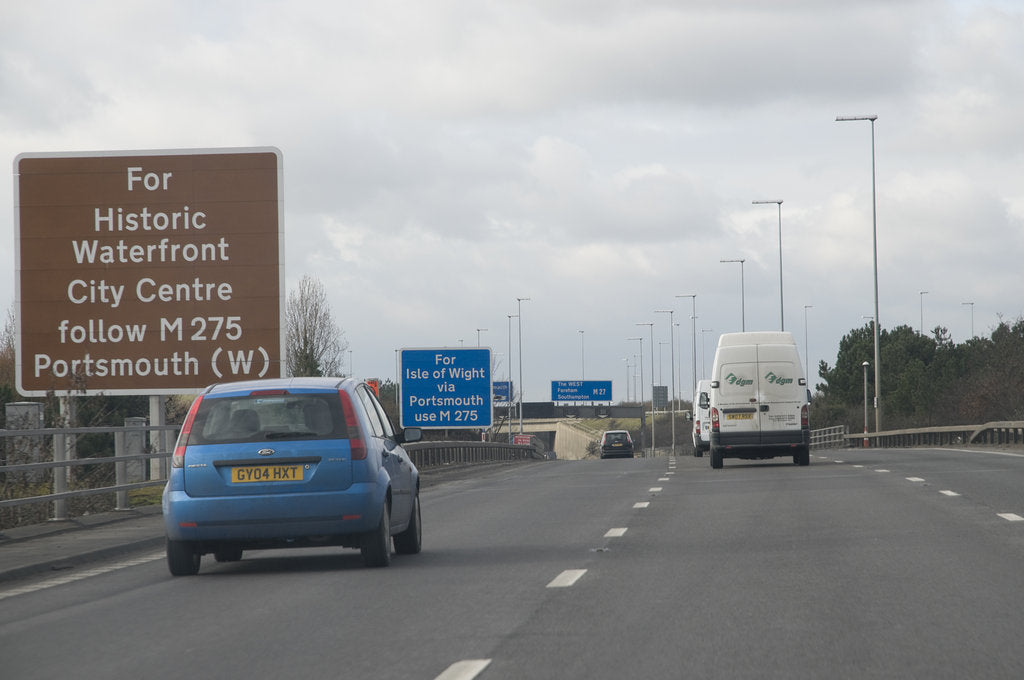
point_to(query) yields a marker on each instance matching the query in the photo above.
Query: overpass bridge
(562, 428)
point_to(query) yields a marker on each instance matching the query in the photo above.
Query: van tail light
(355, 436)
(714, 419)
(178, 458)
(804, 421)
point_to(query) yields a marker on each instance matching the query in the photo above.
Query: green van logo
(777, 380)
(734, 379)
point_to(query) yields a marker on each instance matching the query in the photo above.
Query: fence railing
(1000, 433)
(139, 463)
(829, 437)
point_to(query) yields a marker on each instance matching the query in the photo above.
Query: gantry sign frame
(148, 272)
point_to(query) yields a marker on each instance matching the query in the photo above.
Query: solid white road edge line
(464, 670)
(567, 578)
(79, 575)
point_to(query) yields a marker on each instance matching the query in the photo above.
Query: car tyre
(803, 456)
(410, 541)
(376, 547)
(182, 558)
(716, 458)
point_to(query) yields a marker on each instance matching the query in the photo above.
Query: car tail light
(355, 437)
(804, 422)
(714, 419)
(178, 459)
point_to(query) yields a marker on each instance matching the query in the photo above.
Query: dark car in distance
(616, 444)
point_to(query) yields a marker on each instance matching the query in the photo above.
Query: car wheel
(182, 558)
(803, 457)
(228, 554)
(376, 548)
(716, 458)
(410, 541)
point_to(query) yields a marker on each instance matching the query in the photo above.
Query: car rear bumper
(758, 445)
(279, 516)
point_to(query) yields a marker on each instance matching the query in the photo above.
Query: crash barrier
(829, 437)
(1001, 433)
(33, 460)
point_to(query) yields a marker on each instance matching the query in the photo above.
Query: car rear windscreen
(258, 418)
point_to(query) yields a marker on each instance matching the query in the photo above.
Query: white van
(758, 399)
(702, 418)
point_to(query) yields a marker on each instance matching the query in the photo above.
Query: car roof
(304, 383)
(616, 431)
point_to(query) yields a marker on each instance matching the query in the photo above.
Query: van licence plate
(266, 473)
(739, 416)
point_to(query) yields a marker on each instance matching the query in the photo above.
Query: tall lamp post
(807, 352)
(874, 241)
(865, 365)
(643, 415)
(743, 296)
(972, 316)
(782, 316)
(920, 295)
(478, 331)
(519, 316)
(650, 324)
(672, 352)
(511, 391)
(583, 361)
(693, 339)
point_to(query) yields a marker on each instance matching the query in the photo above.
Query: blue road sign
(502, 390)
(581, 390)
(446, 388)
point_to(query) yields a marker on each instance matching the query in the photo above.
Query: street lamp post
(672, 353)
(643, 415)
(478, 330)
(865, 365)
(874, 242)
(650, 324)
(972, 316)
(743, 296)
(693, 339)
(511, 391)
(519, 316)
(703, 363)
(583, 361)
(782, 316)
(807, 352)
(920, 295)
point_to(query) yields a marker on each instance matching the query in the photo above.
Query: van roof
(756, 338)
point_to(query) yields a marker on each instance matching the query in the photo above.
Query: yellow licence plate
(266, 473)
(739, 416)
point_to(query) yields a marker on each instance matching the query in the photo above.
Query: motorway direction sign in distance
(502, 390)
(446, 388)
(581, 390)
(147, 272)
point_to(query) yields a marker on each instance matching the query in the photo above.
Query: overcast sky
(600, 157)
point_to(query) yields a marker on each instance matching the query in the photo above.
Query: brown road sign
(148, 272)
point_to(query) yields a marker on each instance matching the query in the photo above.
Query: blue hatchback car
(290, 463)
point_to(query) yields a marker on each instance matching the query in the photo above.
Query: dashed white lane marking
(947, 492)
(858, 466)
(839, 462)
(641, 504)
(567, 578)
(662, 479)
(881, 470)
(79, 575)
(464, 670)
(655, 489)
(615, 533)
(1011, 517)
(914, 479)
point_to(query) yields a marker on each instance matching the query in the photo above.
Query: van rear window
(261, 418)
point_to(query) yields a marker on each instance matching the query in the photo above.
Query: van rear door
(779, 397)
(738, 419)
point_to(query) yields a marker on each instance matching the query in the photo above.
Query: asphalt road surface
(866, 564)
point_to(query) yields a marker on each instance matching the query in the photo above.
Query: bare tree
(316, 345)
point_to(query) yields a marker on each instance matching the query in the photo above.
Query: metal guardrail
(57, 445)
(998, 433)
(829, 437)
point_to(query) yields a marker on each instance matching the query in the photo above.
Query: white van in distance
(702, 418)
(758, 399)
